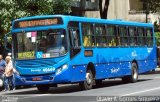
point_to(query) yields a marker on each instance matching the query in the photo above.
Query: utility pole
(147, 10)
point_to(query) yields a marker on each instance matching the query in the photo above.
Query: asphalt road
(111, 90)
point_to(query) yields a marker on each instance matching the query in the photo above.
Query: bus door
(74, 37)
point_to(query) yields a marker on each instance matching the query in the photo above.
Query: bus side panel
(113, 62)
(145, 66)
(112, 70)
(101, 71)
(149, 63)
(78, 73)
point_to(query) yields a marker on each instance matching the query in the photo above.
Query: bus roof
(86, 19)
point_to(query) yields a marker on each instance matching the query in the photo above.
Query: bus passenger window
(100, 34)
(88, 35)
(111, 35)
(140, 36)
(87, 41)
(149, 37)
(132, 34)
(123, 34)
(112, 42)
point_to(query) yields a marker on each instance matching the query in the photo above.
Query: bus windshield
(40, 44)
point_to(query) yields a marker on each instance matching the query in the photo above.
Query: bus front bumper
(63, 77)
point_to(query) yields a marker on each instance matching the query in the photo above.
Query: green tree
(13, 9)
(153, 6)
(62, 6)
(150, 6)
(35, 7)
(157, 35)
(6, 14)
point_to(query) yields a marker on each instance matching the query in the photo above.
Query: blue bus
(58, 49)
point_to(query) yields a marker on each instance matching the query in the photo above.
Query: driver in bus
(43, 45)
(56, 47)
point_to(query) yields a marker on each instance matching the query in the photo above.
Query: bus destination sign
(37, 22)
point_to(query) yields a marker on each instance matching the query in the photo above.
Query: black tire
(98, 83)
(134, 75)
(88, 83)
(153, 70)
(43, 88)
(54, 85)
(125, 79)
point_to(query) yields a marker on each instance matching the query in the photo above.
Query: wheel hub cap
(88, 78)
(135, 74)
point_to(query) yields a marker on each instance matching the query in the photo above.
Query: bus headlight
(64, 67)
(60, 69)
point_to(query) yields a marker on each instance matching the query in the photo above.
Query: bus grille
(35, 63)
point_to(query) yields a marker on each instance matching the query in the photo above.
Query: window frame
(149, 39)
(92, 41)
(124, 36)
(132, 38)
(103, 35)
(141, 37)
(111, 39)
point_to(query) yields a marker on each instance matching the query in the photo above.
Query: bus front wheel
(88, 83)
(134, 74)
(98, 83)
(43, 88)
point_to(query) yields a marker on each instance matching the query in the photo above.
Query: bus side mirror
(8, 42)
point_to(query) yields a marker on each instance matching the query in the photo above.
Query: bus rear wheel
(134, 74)
(43, 88)
(88, 83)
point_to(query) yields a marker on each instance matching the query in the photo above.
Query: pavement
(147, 88)
(157, 69)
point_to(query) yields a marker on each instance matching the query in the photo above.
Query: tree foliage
(157, 35)
(35, 7)
(13, 9)
(61, 6)
(151, 5)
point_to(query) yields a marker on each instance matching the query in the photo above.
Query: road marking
(157, 77)
(30, 96)
(158, 88)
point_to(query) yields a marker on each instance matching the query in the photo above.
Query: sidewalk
(18, 91)
(157, 69)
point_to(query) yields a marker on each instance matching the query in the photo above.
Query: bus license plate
(36, 79)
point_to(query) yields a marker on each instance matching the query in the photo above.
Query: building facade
(130, 10)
